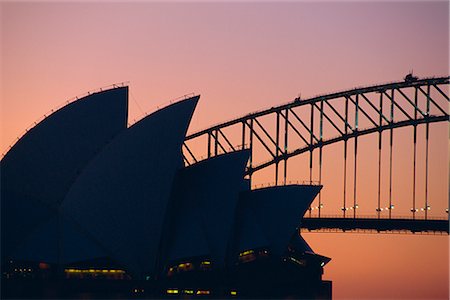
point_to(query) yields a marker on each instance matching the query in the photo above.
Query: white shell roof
(204, 203)
(278, 212)
(40, 168)
(121, 196)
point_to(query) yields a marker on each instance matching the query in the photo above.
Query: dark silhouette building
(91, 208)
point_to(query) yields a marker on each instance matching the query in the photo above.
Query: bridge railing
(386, 217)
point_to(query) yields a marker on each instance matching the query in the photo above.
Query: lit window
(185, 267)
(300, 262)
(246, 253)
(95, 273)
(247, 256)
(205, 265)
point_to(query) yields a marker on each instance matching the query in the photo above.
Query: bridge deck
(417, 225)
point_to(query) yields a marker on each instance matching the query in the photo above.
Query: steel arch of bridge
(348, 114)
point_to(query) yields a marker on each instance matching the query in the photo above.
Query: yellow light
(300, 262)
(172, 291)
(184, 265)
(246, 253)
(202, 292)
(77, 271)
(92, 271)
(233, 293)
(189, 292)
(206, 262)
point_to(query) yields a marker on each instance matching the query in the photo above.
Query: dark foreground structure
(91, 208)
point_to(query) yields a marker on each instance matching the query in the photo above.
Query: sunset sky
(241, 57)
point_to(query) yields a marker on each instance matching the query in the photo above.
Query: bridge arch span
(306, 126)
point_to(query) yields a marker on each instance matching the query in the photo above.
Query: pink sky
(241, 57)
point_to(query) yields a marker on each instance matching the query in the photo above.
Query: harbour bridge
(376, 138)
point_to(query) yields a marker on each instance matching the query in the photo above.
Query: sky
(241, 57)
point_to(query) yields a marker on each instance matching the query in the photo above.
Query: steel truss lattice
(325, 120)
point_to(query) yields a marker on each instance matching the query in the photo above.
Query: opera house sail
(91, 207)
(121, 196)
(41, 167)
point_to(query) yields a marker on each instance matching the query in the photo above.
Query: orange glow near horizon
(243, 57)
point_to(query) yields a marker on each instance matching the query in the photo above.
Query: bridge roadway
(375, 224)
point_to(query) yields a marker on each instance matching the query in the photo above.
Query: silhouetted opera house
(91, 208)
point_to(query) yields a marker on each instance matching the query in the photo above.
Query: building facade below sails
(95, 209)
